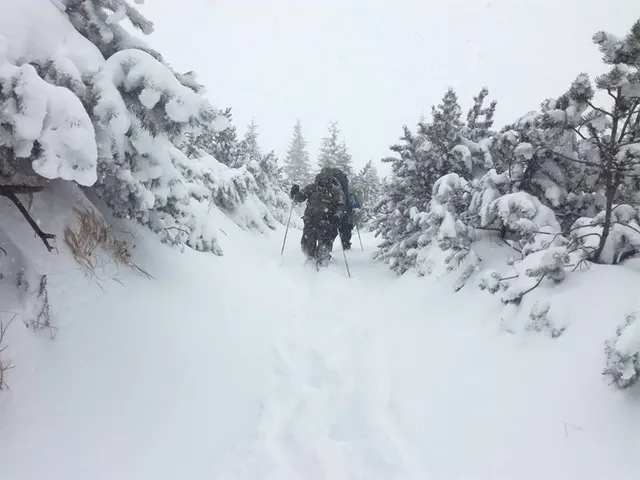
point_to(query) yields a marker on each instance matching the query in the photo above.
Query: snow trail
(327, 415)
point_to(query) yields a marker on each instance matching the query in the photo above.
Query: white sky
(375, 65)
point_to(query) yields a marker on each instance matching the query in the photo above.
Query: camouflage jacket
(324, 198)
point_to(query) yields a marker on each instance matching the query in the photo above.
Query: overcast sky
(375, 65)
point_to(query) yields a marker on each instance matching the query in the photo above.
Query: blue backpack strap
(354, 201)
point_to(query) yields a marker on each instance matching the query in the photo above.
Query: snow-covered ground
(254, 366)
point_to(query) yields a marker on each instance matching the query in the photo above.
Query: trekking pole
(355, 220)
(287, 230)
(346, 264)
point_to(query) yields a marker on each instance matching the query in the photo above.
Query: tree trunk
(610, 190)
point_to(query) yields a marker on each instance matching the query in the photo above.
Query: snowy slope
(253, 366)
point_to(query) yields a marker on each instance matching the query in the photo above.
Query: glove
(337, 217)
(295, 188)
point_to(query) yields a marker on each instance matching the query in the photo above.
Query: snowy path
(328, 416)
(254, 366)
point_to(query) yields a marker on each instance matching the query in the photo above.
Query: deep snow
(253, 365)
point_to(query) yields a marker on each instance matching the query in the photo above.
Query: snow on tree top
(36, 31)
(137, 71)
(524, 150)
(37, 111)
(515, 207)
(445, 185)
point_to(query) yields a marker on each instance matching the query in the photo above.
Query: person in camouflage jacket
(326, 207)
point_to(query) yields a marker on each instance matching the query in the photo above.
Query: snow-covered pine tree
(444, 133)
(477, 136)
(223, 145)
(270, 192)
(45, 131)
(464, 152)
(367, 187)
(406, 188)
(99, 22)
(297, 167)
(436, 150)
(143, 113)
(480, 118)
(249, 147)
(344, 161)
(610, 139)
(330, 149)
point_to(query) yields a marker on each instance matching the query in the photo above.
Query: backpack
(343, 181)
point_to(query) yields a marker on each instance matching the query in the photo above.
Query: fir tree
(225, 145)
(344, 162)
(297, 167)
(330, 148)
(439, 148)
(480, 118)
(144, 114)
(250, 149)
(406, 188)
(99, 22)
(366, 186)
(444, 132)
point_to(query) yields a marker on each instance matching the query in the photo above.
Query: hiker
(326, 207)
(348, 222)
(345, 228)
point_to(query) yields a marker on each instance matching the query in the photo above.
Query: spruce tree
(250, 149)
(408, 187)
(144, 114)
(297, 167)
(444, 132)
(344, 161)
(366, 186)
(99, 22)
(438, 148)
(330, 148)
(225, 144)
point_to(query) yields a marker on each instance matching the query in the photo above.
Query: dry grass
(90, 233)
(93, 233)
(5, 365)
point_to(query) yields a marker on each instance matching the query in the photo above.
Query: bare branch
(4, 364)
(577, 132)
(623, 132)
(626, 144)
(10, 191)
(598, 109)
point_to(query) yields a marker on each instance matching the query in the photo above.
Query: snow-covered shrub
(444, 227)
(520, 216)
(622, 367)
(530, 229)
(623, 238)
(540, 320)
